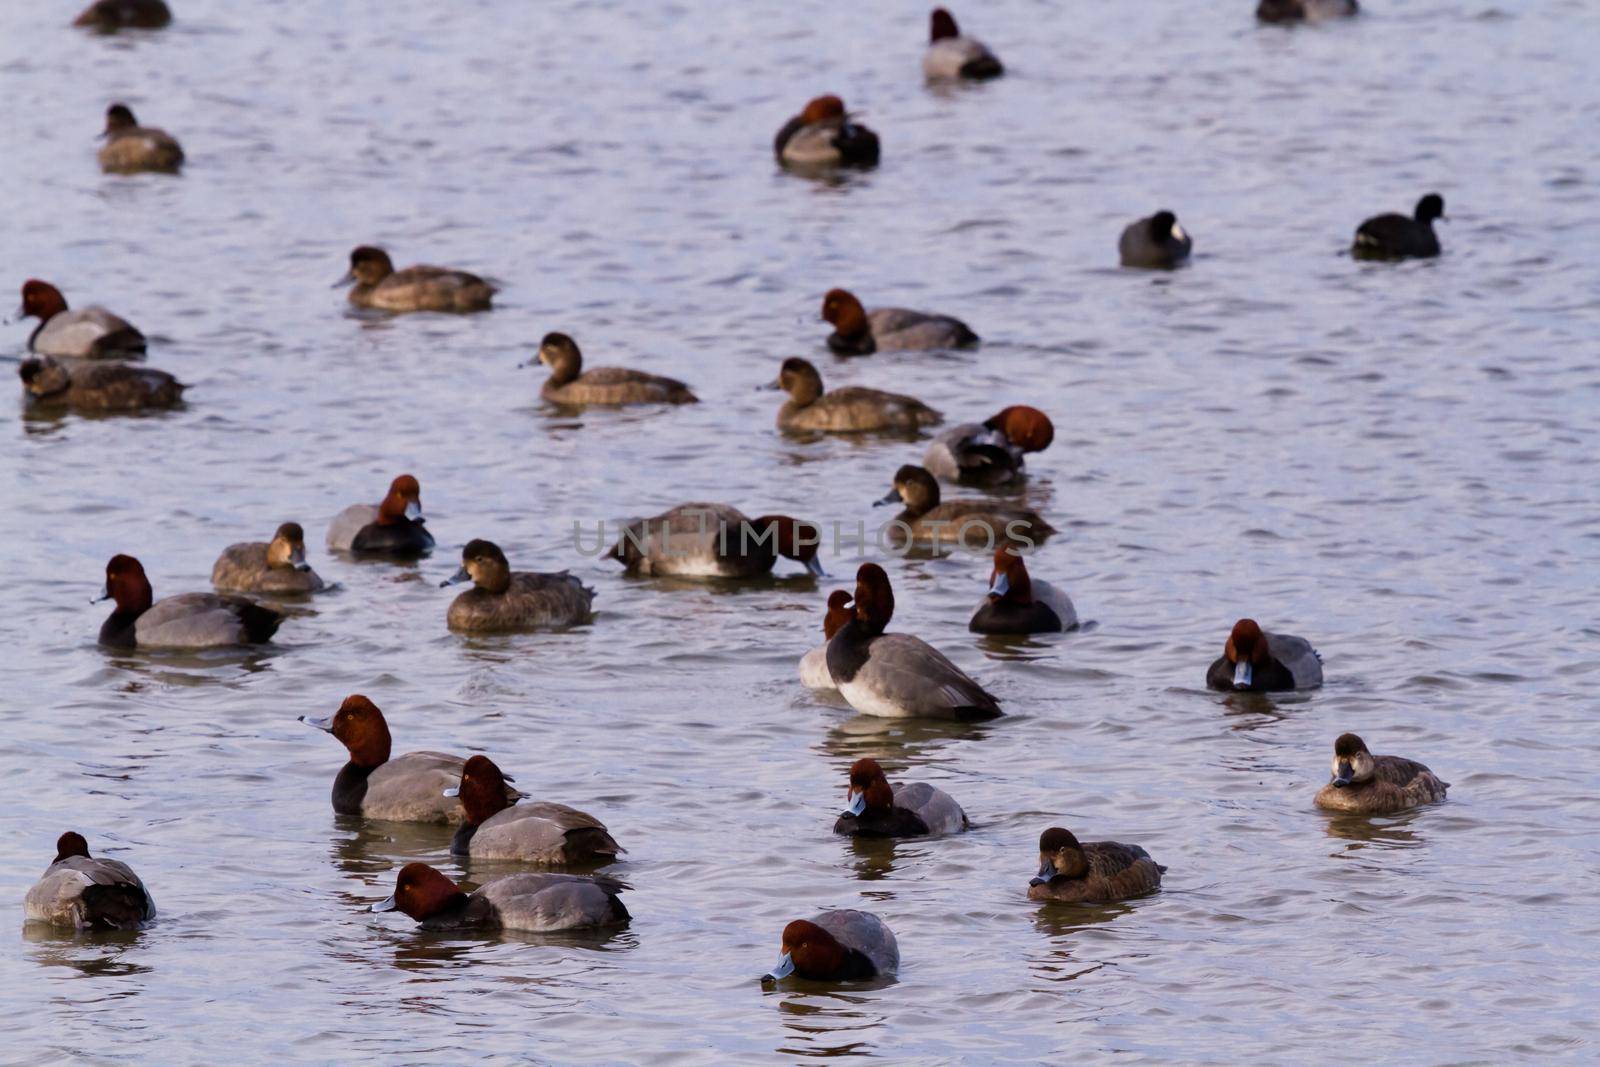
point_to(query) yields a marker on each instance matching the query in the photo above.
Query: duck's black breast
(403, 538)
(898, 822)
(999, 617)
(461, 843)
(350, 789)
(861, 344)
(1273, 677)
(848, 651)
(118, 630)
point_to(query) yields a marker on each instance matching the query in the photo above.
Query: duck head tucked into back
(360, 726)
(368, 267)
(484, 565)
(1027, 428)
(422, 893)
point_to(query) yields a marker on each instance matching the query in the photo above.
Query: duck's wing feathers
(856, 407)
(349, 522)
(864, 932)
(1123, 870)
(203, 620)
(1298, 657)
(937, 809)
(545, 902)
(544, 832)
(912, 675)
(410, 788)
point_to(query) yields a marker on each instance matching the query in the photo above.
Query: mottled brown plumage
(1099, 872)
(1364, 784)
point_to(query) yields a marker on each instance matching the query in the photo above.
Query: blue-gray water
(1395, 461)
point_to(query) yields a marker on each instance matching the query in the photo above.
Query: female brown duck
(1097, 873)
(852, 409)
(572, 386)
(502, 600)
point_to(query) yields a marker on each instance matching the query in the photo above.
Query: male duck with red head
(408, 788)
(1259, 662)
(88, 333)
(392, 528)
(1020, 604)
(822, 136)
(952, 54)
(532, 903)
(859, 332)
(185, 621)
(83, 892)
(874, 808)
(814, 664)
(499, 827)
(836, 946)
(898, 675)
(989, 453)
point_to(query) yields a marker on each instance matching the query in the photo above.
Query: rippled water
(1396, 461)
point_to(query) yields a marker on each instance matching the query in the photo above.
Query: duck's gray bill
(858, 804)
(1242, 673)
(784, 969)
(386, 904)
(460, 575)
(1047, 871)
(1001, 586)
(324, 724)
(453, 791)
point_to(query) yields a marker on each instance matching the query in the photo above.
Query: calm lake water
(1395, 461)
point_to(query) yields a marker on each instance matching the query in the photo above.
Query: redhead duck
(910, 809)
(1397, 237)
(814, 664)
(822, 135)
(408, 788)
(278, 566)
(897, 675)
(501, 601)
(1100, 872)
(572, 386)
(499, 828)
(94, 388)
(392, 528)
(1305, 10)
(131, 147)
(1017, 604)
(1364, 784)
(1264, 663)
(1155, 243)
(969, 522)
(839, 945)
(715, 541)
(91, 332)
(533, 903)
(420, 288)
(848, 410)
(109, 16)
(952, 55)
(859, 332)
(989, 453)
(188, 620)
(85, 893)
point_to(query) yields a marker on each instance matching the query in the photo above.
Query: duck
(185, 621)
(419, 288)
(82, 892)
(569, 385)
(130, 147)
(498, 828)
(910, 809)
(859, 332)
(980, 523)
(96, 388)
(704, 540)
(1100, 872)
(503, 601)
(278, 566)
(1260, 662)
(950, 54)
(393, 527)
(1364, 784)
(822, 136)
(408, 788)
(1017, 604)
(109, 16)
(898, 675)
(989, 453)
(814, 664)
(836, 945)
(1155, 243)
(1305, 10)
(531, 903)
(1390, 237)
(852, 409)
(89, 333)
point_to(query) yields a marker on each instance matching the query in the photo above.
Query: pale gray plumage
(533, 832)
(1297, 655)
(193, 620)
(64, 896)
(349, 522)
(541, 903)
(410, 788)
(937, 809)
(814, 669)
(89, 332)
(864, 932)
(905, 677)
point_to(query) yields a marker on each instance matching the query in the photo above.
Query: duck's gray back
(864, 932)
(937, 809)
(1298, 657)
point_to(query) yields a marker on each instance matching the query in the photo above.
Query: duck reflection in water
(909, 742)
(360, 846)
